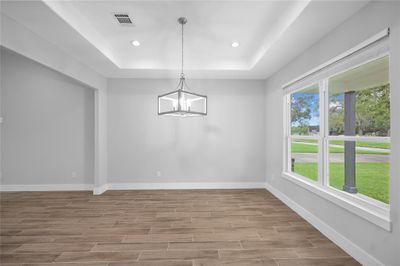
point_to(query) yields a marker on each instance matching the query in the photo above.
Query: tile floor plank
(54, 247)
(178, 254)
(97, 256)
(159, 227)
(274, 253)
(218, 245)
(116, 247)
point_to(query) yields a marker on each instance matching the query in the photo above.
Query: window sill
(377, 214)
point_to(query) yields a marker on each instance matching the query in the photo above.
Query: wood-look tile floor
(159, 227)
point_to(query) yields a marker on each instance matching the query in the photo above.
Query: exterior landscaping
(372, 177)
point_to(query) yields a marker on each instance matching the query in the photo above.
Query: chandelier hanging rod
(182, 21)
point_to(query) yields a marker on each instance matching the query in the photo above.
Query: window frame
(370, 209)
(290, 137)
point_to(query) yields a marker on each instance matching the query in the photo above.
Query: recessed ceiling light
(135, 43)
(235, 44)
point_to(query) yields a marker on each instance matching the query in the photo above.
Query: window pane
(304, 157)
(361, 96)
(304, 111)
(371, 168)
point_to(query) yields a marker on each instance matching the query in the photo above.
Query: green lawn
(306, 148)
(307, 140)
(372, 178)
(368, 144)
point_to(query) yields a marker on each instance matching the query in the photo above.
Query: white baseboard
(226, 185)
(355, 251)
(100, 189)
(127, 186)
(46, 187)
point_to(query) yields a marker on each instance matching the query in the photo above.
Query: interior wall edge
(15, 36)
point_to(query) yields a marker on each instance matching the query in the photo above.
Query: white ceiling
(271, 33)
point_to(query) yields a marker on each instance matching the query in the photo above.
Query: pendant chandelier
(181, 102)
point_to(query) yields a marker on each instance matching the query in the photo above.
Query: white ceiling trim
(67, 12)
(302, 25)
(279, 30)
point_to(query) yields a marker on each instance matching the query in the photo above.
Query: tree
(372, 112)
(336, 114)
(300, 114)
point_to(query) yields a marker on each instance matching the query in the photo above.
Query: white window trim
(368, 208)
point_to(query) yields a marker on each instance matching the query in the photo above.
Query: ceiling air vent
(123, 19)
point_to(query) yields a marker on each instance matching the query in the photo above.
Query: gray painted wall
(375, 241)
(225, 146)
(48, 127)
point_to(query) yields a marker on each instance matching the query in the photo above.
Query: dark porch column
(350, 146)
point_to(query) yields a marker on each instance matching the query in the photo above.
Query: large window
(337, 127)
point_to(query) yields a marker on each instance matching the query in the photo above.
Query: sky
(313, 104)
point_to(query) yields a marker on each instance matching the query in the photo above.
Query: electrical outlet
(158, 173)
(73, 174)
